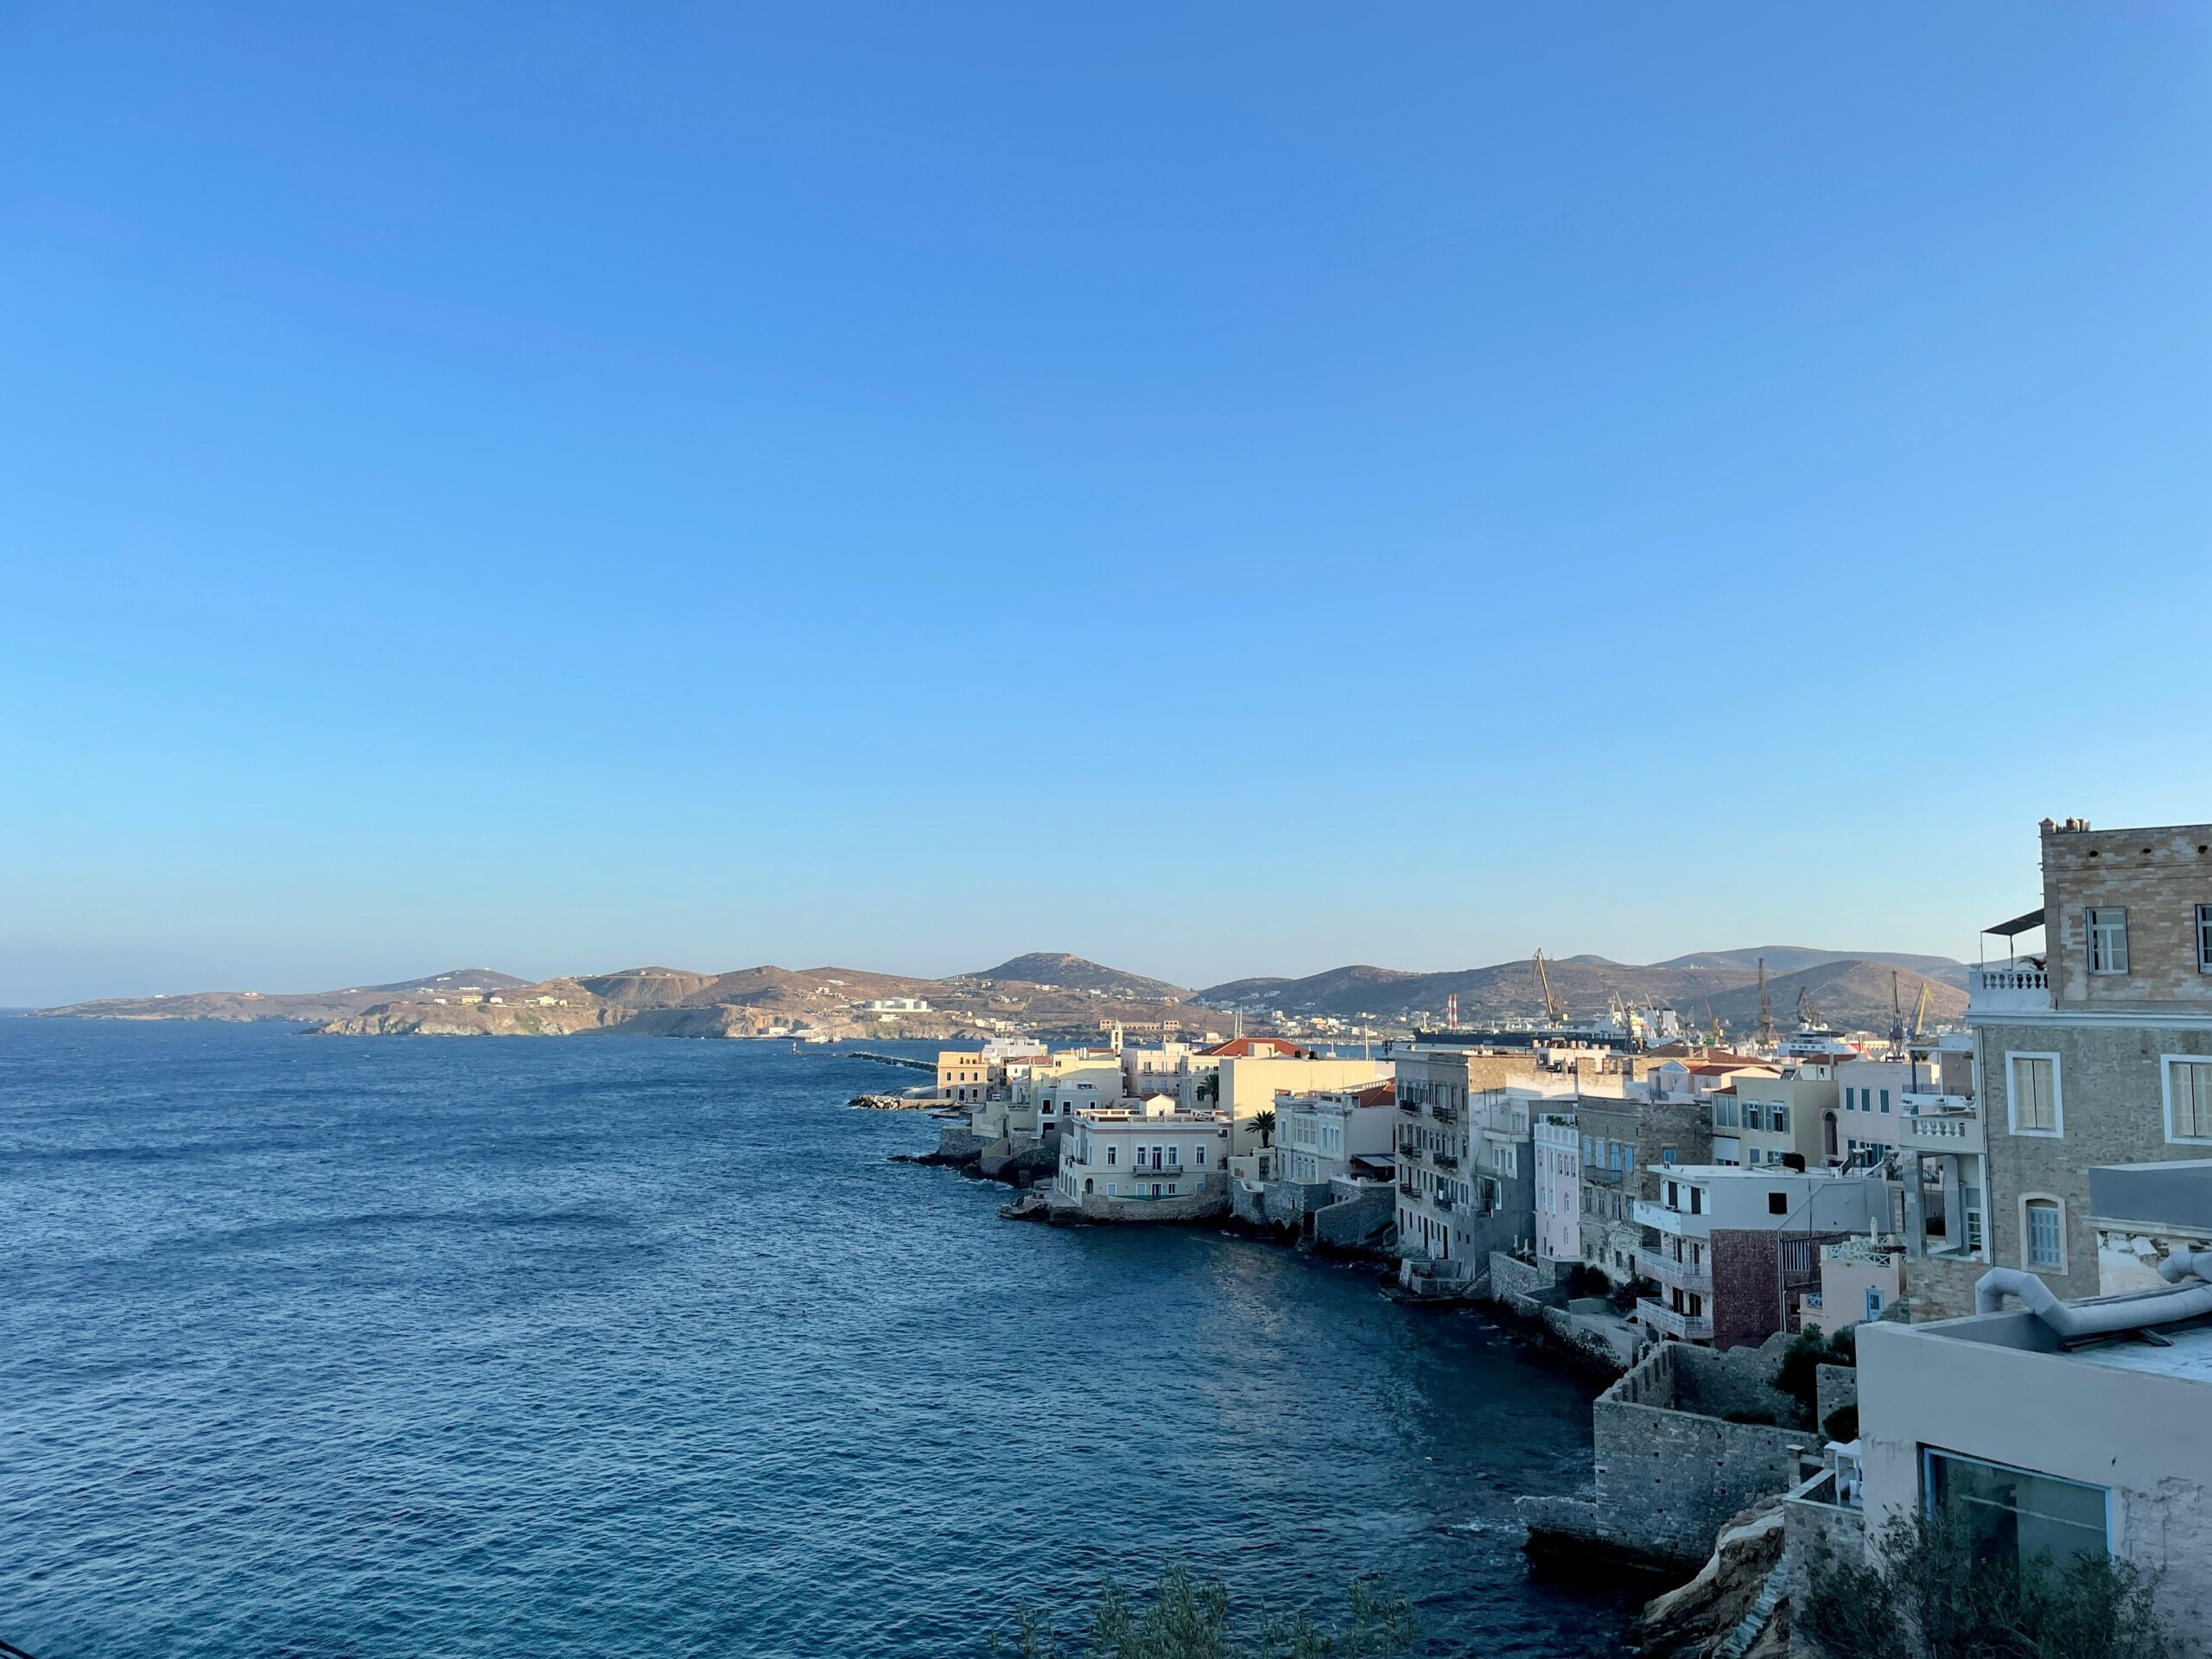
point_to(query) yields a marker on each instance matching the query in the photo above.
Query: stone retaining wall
(1355, 1220)
(1667, 1477)
(1510, 1276)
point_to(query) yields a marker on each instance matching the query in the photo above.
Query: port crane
(1555, 1010)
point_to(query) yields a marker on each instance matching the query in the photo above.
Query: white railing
(1657, 1316)
(1650, 1213)
(2002, 986)
(1681, 1276)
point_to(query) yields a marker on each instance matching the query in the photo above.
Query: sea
(604, 1345)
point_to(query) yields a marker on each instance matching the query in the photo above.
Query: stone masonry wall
(2112, 1110)
(1512, 1277)
(1668, 1479)
(1357, 1220)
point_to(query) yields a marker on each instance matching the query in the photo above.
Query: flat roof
(2189, 1356)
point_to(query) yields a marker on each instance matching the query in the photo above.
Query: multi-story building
(962, 1077)
(2095, 1051)
(1872, 1102)
(1768, 1120)
(1445, 1214)
(1734, 1250)
(1622, 1137)
(1247, 1076)
(1321, 1137)
(1144, 1160)
(1557, 1141)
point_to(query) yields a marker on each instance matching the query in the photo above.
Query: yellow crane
(1920, 1012)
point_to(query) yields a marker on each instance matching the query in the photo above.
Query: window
(1885, 1100)
(1873, 1302)
(2046, 1237)
(2189, 1097)
(2034, 1090)
(1777, 1204)
(1110, 1151)
(1848, 1104)
(2204, 938)
(1666, 1154)
(2015, 1514)
(2108, 939)
(1175, 1155)
(1202, 1157)
(1724, 1114)
(1777, 1118)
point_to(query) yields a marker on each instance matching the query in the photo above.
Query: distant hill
(315, 1007)
(1788, 958)
(1057, 968)
(1853, 993)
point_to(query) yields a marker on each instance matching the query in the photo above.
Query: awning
(2018, 925)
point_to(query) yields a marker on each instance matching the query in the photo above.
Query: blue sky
(1222, 488)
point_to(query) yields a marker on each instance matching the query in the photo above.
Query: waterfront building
(1322, 1136)
(1244, 1084)
(1143, 1161)
(1624, 1137)
(1734, 1250)
(963, 1077)
(1558, 1150)
(2094, 1050)
(1439, 1146)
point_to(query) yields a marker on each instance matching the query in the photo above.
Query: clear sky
(1221, 488)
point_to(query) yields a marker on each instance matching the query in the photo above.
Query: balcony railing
(1444, 1114)
(1678, 1275)
(1657, 1316)
(1445, 1159)
(1409, 1189)
(1650, 1213)
(2008, 986)
(1441, 1200)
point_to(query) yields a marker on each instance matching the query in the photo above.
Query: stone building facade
(2098, 1052)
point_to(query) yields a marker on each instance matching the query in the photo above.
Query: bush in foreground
(1184, 1617)
(1923, 1593)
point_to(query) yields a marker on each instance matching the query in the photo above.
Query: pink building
(1559, 1187)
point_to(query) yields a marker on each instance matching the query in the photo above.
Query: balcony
(1685, 1327)
(1441, 1201)
(1407, 1189)
(1676, 1275)
(1680, 1223)
(1444, 1114)
(2020, 986)
(1445, 1159)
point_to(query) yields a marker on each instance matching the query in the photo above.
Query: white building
(1144, 1160)
(1559, 1186)
(1319, 1136)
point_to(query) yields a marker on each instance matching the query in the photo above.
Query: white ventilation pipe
(2075, 1321)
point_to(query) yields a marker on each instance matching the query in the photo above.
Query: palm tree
(1264, 1124)
(1210, 1087)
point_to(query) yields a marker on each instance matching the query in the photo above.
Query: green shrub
(1841, 1424)
(1922, 1593)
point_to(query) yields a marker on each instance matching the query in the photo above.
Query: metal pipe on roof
(2077, 1321)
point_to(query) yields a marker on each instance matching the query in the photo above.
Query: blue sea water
(321, 1346)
